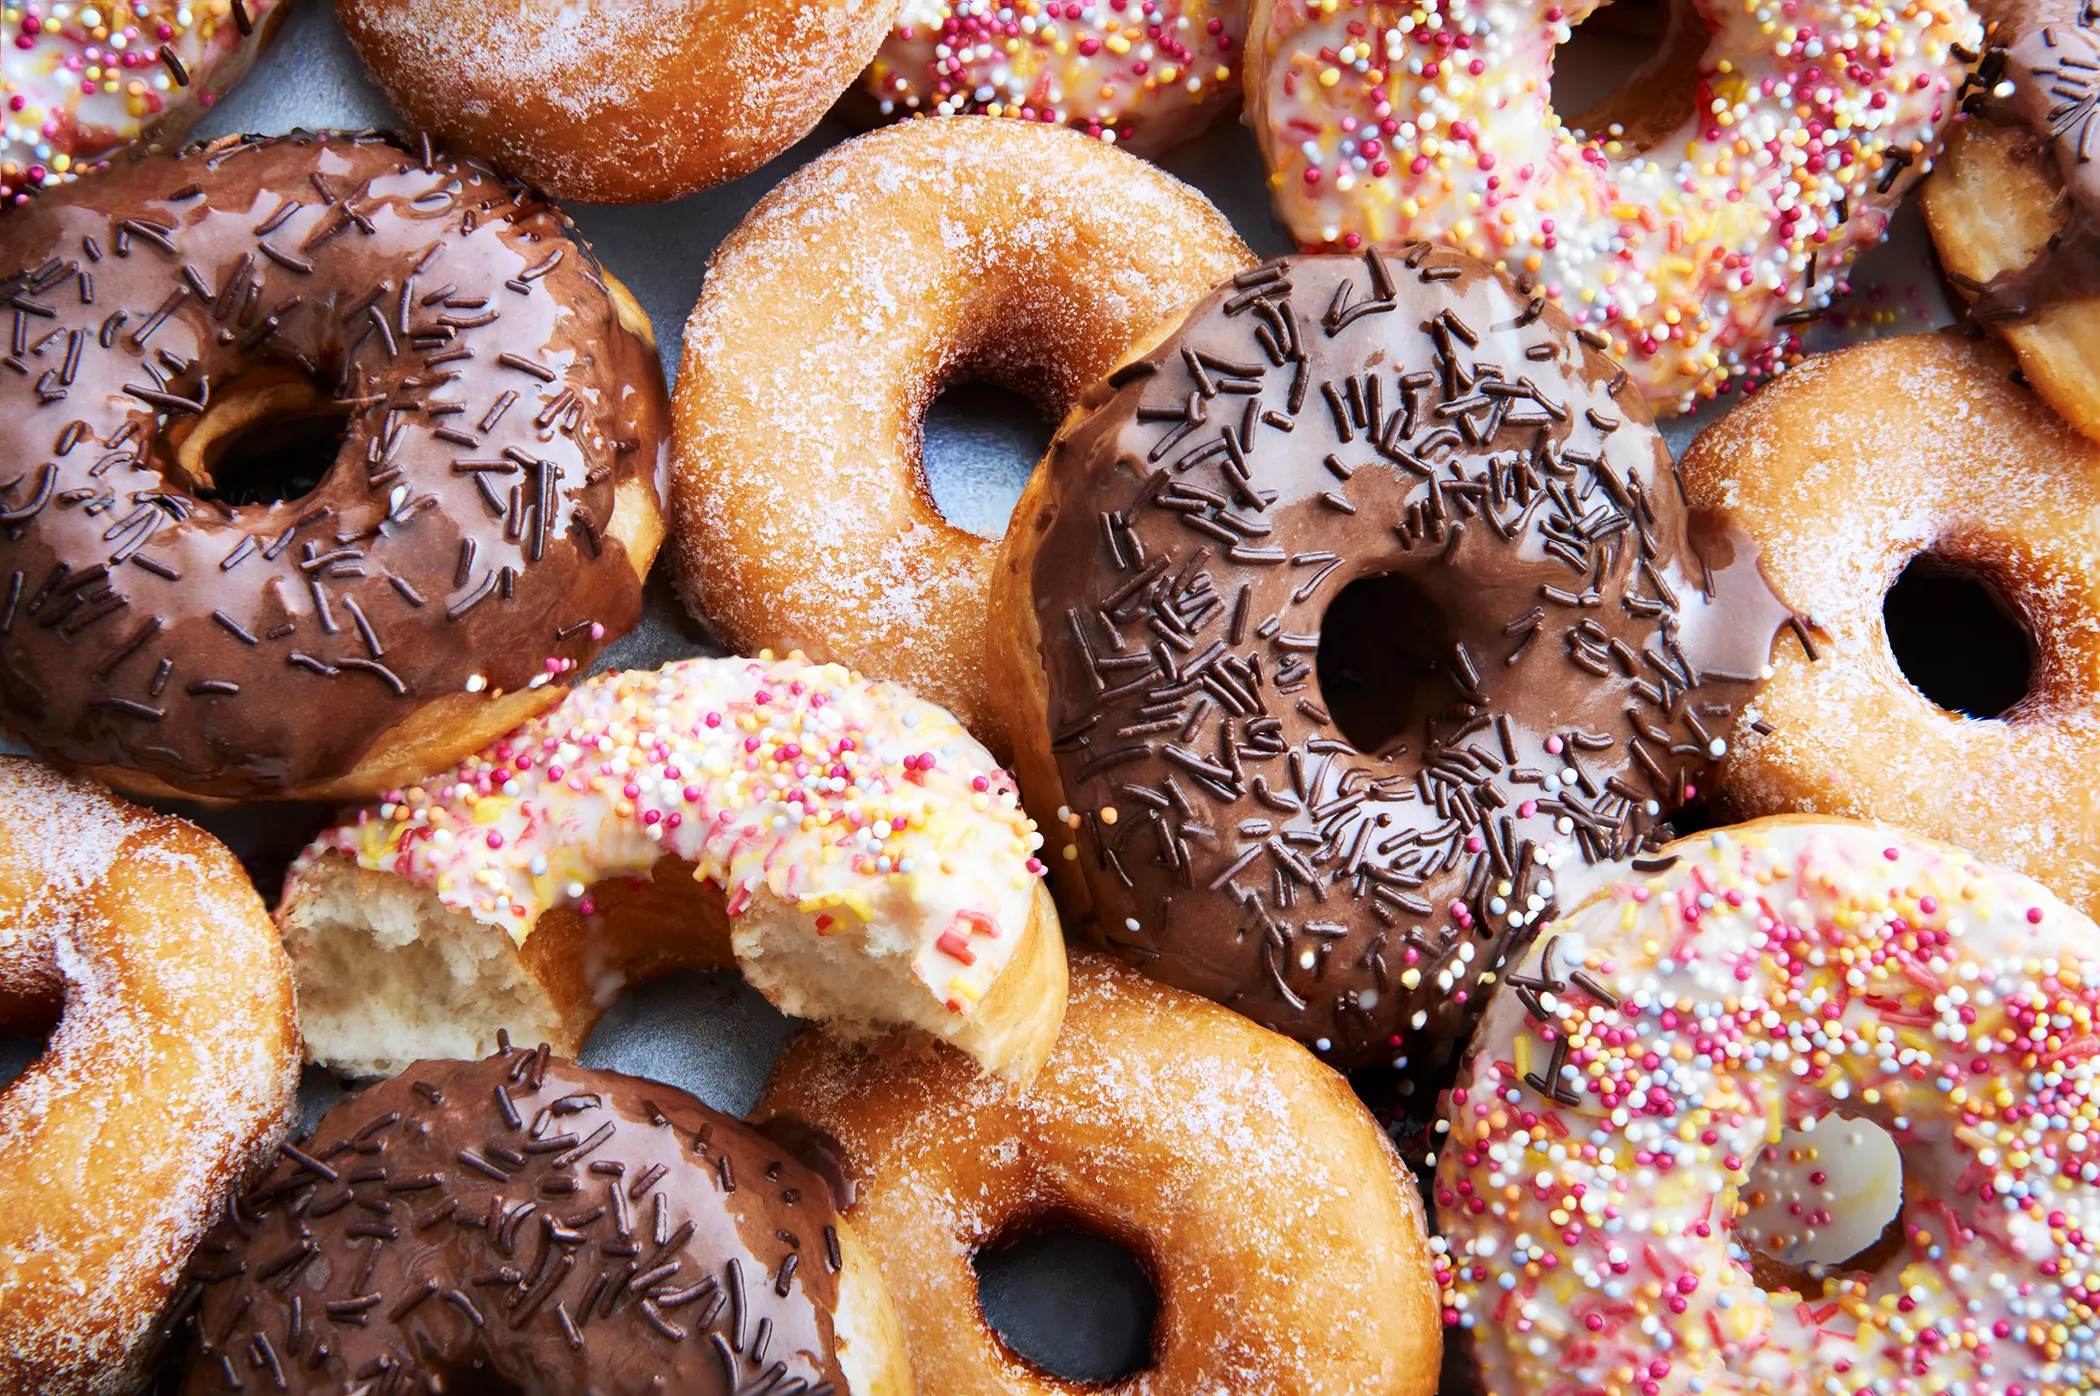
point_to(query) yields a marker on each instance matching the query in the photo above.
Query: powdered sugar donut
(1686, 244)
(1743, 984)
(83, 80)
(948, 250)
(169, 1073)
(617, 101)
(1143, 74)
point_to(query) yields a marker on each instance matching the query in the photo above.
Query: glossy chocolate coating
(2049, 53)
(1579, 643)
(455, 543)
(526, 1225)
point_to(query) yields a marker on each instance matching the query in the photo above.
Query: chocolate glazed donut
(476, 420)
(525, 1225)
(1551, 653)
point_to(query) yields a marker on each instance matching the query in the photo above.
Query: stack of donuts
(1470, 898)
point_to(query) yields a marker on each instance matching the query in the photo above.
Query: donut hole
(1822, 1202)
(1629, 72)
(267, 437)
(978, 443)
(1068, 1300)
(1957, 638)
(1384, 660)
(16, 1053)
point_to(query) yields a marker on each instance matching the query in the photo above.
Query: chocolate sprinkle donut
(1560, 654)
(166, 620)
(526, 1225)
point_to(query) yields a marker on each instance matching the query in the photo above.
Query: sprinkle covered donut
(1341, 829)
(1767, 978)
(82, 81)
(1144, 75)
(953, 249)
(1941, 462)
(849, 846)
(1685, 243)
(330, 458)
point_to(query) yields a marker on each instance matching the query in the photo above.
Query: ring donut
(1847, 471)
(1736, 987)
(1339, 828)
(1282, 1233)
(137, 941)
(77, 89)
(2015, 209)
(1689, 237)
(608, 101)
(475, 418)
(939, 251)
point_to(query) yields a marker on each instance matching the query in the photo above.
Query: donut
(1145, 77)
(1690, 236)
(1283, 1235)
(613, 102)
(2013, 209)
(847, 845)
(1338, 808)
(1850, 470)
(333, 458)
(83, 82)
(947, 250)
(137, 943)
(1742, 985)
(527, 1225)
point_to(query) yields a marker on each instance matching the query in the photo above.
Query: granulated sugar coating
(1285, 1239)
(171, 1071)
(1844, 471)
(617, 101)
(946, 250)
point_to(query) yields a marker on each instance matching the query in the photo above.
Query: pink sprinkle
(714, 719)
(2034, 916)
(495, 839)
(587, 907)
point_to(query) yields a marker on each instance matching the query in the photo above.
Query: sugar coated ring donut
(944, 250)
(1688, 251)
(1144, 76)
(1283, 1235)
(2015, 213)
(1848, 470)
(1551, 679)
(613, 102)
(170, 1071)
(1754, 981)
(76, 89)
(527, 1223)
(170, 624)
(851, 847)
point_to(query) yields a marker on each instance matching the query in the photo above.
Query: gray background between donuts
(1068, 1302)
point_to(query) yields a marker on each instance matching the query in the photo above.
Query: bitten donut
(1337, 808)
(1144, 77)
(138, 944)
(940, 251)
(1283, 1235)
(526, 1225)
(83, 81)
(1756, 980)
(329, 459)
(2013, 210)
(850, 847)
(1687, 239)
(1852, 469)
(609, 101)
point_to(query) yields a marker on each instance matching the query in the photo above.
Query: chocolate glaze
(2049, 51)
(1320, 420)
(494, 404)
(526, 1225)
